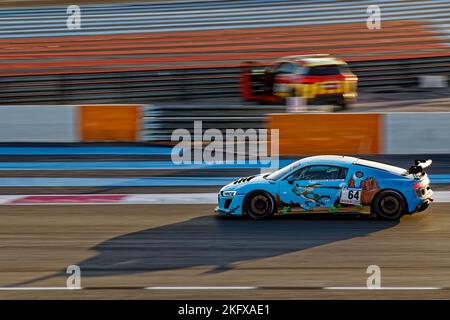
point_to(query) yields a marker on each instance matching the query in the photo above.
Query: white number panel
(351, 196)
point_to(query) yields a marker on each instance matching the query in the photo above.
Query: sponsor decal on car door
(314, 188)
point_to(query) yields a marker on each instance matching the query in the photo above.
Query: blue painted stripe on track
(123, 165)
(114, 182)
(15, 151)
(141, 182)
(439, 178)
(152, 165)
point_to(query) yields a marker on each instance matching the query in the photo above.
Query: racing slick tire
(259, 205)
(388, 205)
(342, 104)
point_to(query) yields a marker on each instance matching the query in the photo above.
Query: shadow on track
(217, 241)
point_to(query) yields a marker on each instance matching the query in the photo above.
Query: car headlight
(228, 193)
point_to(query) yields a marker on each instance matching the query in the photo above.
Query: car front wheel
(388, 205)
(260, 205)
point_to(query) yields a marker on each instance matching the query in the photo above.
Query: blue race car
(330, 184)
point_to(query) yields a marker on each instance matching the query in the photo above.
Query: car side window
(300, 70)
(321, 173)
(299, 173)
(286, 68)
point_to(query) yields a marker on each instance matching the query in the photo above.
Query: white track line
(200, 288)
(441, 196)
(7, 199)
(382, 288)
(177, 198)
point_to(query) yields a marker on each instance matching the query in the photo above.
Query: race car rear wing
(419, 166)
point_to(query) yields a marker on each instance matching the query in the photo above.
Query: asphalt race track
(187, 252)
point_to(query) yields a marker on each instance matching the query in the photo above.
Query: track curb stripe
(162, 198)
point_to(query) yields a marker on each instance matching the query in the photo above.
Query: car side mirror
(290, 179)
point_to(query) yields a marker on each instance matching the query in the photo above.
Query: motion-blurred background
(182, 58)
(131, 73)
(86, 117)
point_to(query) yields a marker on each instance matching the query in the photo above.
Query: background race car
(319, 79)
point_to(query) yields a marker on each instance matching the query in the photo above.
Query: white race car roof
(381, 166)
(331, 159)
(328, 159)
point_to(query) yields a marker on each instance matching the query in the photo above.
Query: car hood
(244, 181)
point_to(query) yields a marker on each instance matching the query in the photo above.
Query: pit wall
(362, 133)
(83, 123)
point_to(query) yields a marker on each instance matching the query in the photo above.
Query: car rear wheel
(388, 205)
(260, 205)
(342, 104)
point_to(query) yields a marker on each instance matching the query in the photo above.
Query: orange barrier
(109, 122)
(312, 134)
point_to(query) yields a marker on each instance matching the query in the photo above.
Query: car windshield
(280, 173)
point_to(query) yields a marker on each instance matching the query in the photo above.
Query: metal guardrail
(119, 87)
(404, 72)
(150, 86)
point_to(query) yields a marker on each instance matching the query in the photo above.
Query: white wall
(416, 132)
(38, 124)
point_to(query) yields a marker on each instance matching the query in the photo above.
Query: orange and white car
(319, 79)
